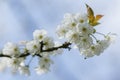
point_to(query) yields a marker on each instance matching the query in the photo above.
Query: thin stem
(100, 33)
(94, 37)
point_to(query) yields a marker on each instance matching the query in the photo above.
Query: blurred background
(19, 18)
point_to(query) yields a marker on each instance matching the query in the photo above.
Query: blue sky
(19, 18)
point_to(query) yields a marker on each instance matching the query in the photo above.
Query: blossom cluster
(15, 57)
(75, 28)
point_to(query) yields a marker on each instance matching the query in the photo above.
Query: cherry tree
(79, 31)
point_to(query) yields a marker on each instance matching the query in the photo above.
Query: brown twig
(2, 55)
(65, 45)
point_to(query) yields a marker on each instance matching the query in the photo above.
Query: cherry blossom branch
(65, 45)
(75, 28)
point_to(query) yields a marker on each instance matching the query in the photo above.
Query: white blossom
(71, 25)
(61, 31)
(39, 34)
(24, 70)
(41, 70)
(48, 42)
(73, 36)
(95, 49)
(44, 65)
(33, 46)
(68, 18)
(87, 53)
(14, 63)
(85, 29)
(81, 18)
(45, 60)
(69, 21)
(104, 44)
(11, 49)
(85, 42)
(91, 51)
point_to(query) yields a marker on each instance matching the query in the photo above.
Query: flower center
(73, 24)
(46, 60)
(35, 46)
(63, 31)
(84, 40)
(81, 21)
(15, 49)
(84, 29)
(40, 37)
(93, 48)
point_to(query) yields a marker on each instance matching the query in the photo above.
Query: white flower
(69, 21)
(85, 29)
(73, 36)
(41, 70)
(45, 60)
(91, 51)
(95, 49)
(81, 18)
(111, 37)
(85, 42)
(14, 63)
(104, 44)
(33, 46)
(71, 25)
(44, 65)
(61, 31)
(11, 49)
(48, 42)
(39, 34)
(68, 17)
(87, 53)
(24, 70)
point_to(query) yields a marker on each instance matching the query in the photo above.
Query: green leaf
(93, 20)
